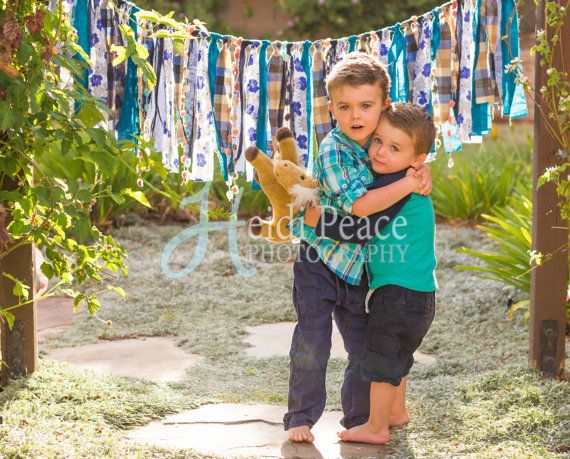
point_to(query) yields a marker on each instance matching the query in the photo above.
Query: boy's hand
(312, 215)
(423, 174)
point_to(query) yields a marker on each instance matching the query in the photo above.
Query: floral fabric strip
(467, 52)
(299, 85)
(422, 81)
(251, 102)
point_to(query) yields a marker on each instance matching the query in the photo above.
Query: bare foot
(365, 433)
(300, 434)
(399, 419)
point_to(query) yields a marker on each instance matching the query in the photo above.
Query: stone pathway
(275, 339)
(231, 430)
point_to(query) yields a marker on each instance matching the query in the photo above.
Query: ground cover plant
(479, 400)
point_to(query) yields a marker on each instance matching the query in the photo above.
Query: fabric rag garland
(225, 93)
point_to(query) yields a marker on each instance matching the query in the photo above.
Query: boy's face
(357, 110)
(393, 150)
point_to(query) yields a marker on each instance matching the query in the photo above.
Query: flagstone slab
(54, 315)
(154, 358)
(269, 340)
(233, 431)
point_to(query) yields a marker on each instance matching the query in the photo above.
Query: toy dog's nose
(302, 177)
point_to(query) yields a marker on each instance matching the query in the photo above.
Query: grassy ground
(479, 400)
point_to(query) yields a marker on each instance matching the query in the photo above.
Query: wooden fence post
(19, 346)
(549, 282)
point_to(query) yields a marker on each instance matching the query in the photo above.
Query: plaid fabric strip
(274, 88)
(321, 114)
(412, 35)
(452, 21)
(485, 85)
(222, 99)
(442, 80)
(363, 43)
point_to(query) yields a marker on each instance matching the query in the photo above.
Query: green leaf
(121, 54)
(137, 195)
(47, 269)
(118, 290)
(10, 318)
(20, 289)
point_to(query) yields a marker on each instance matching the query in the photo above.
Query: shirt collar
(351, 144)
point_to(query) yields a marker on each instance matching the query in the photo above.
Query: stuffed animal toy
(287, 185)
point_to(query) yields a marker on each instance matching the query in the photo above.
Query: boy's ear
(330, 105)
(420, 159)
(387, 103)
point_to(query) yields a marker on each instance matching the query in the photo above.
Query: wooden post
(549, 282)
(19, 346)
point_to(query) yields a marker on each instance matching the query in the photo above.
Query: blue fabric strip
(514, 101)
(81, 24)
(129, 123)
(261, 141)
(397, 66)
(307, 63)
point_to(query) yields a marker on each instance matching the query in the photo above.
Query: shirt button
(344, 185)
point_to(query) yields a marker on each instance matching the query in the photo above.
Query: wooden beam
(549, 282)
(19, 346)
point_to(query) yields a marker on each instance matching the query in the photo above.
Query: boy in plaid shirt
(328, 274)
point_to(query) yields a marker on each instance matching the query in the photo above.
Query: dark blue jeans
(318, 295)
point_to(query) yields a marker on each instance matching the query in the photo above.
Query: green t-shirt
(403, 253)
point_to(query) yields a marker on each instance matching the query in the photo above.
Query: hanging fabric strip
(263, 103)
(205, 137)
(238, 133)
(288, 119)
(145, 38)
(99, 56)
(363, 43)
(189, 101)
(251, 101)
(485, 84)
(342, 49)
(222, 105)
(480, 112)
(235, 108)
(452, 21)
(307, 63)
(180, 64)
(514, 102)
(498, 52)
(412, 41)
(352, 43)
(397, 66)
(299, 108)
(374, 45)
(275, 90)
(81, 23)
(422, 66)
(321, 113)
(442, 80)
(467, 50)
(129, 123)
(115, 73)
(385, 45)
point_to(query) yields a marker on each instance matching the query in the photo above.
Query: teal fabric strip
(480, 113)
(129, 123)
(435, 32)
(352, 43)
(397, 66)
(213, 53)
(514, 101)
(307, 63)
(261, 142)
(81, 24)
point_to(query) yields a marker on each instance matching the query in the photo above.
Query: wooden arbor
(548, 283)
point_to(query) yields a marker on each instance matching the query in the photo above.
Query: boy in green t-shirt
(401, 264)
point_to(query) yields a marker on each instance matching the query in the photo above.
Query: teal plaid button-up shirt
(342, 169)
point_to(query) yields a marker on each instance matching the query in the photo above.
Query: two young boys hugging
(374, 275)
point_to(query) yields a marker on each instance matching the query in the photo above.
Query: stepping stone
(54, 315)
(154, 358)
(275, 339)
(233, 430)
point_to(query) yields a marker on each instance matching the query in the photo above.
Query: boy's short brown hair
(358, 69)
(414, 121)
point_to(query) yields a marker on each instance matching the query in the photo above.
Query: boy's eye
(394, 148)
(377, 140)
(343, 107)
(365, 106)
